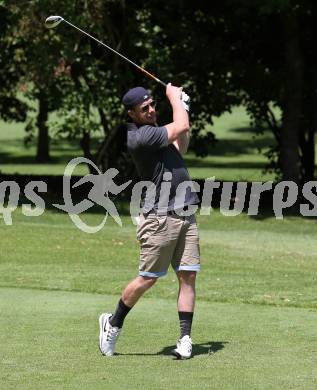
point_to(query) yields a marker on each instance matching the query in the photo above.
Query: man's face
(144, 113)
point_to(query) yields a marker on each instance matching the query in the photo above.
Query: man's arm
(182, 142)
(178, 130)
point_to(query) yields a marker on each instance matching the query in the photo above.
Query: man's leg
(185, 305)
(186, 300)
(155, 257)
(110, 325)
(130, 296)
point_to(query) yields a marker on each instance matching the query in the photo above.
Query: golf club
(53, 21)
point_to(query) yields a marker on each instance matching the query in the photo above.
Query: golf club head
(53, 21)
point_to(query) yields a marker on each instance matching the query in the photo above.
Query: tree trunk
(42, 153)
(85, 145)
(307, 148)
(113, 153)
(290, 161)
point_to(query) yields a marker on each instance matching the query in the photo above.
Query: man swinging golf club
(167, 229)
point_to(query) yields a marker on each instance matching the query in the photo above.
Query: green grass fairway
(49, 340)
(255, 319)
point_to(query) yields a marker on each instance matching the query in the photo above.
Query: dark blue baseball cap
(135, 96)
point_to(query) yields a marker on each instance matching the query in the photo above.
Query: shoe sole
(102, 321)
(179, 356)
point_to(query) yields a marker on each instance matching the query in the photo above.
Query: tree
(258, 53)
(32, 63)
(246, 52)
(283, 56)
(11, 108)
(97, 79)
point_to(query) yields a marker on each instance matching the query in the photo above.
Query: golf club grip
(152, 76)
(161, 82)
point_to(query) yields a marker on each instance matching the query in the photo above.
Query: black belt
(178, 212)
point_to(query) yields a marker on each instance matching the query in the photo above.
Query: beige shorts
(165, 240)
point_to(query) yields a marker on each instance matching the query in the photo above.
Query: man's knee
(188, 277)
(147, 282)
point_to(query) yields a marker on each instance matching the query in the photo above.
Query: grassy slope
(244, 259)
(254, 324)
(235, 156)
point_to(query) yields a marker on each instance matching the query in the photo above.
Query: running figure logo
(103, 184)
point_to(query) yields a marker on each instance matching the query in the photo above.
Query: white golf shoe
(108, 335)
(183, 348)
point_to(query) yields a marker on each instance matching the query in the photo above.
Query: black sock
(119, 315)
(185, 322)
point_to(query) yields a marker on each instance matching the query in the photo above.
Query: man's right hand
(185, 100)
(174, 94)
(180, 124)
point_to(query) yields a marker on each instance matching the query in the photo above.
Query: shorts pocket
(162, 223)
(150, 225)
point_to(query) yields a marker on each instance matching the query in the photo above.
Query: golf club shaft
(116, 52)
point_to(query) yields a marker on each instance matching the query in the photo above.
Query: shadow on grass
(194, 163)
(12, 159)
(234, 147)
(251, 130)
(64, 158)
(293, 211)
(65, 150)
(209, 348)
(122, 206)
(15, 152)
